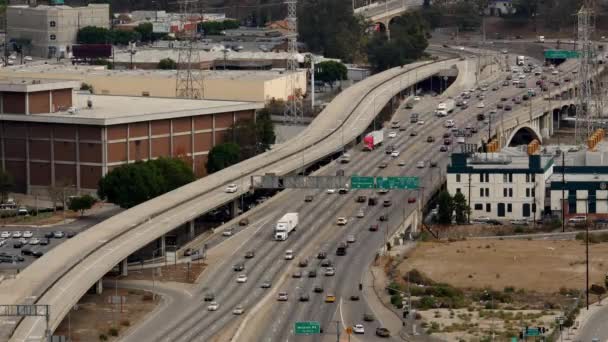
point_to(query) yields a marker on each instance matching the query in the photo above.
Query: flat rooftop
(61, 69)
(155, 55)
(508, 158)
(112, 110)
(25, 84)
(579, 177)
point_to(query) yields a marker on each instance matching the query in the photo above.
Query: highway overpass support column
(234, 208)
(163, 245)
(191, 232)
(99, 287)
(123, 267)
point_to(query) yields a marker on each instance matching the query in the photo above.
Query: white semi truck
(285, 225)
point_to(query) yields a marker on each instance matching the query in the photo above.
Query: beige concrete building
(256, 86)
(52, 30)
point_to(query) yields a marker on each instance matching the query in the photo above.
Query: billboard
(92, 51)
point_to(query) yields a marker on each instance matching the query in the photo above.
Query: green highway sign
(408, 183)
(357, 182)
(532, 332)
(560, 54)
(307, 328)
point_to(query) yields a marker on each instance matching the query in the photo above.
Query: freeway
(378, 9)
(63, 275)
(318, 233)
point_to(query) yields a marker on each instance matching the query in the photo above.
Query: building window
(533, 192)
(487, 177)
(527, 177)
(533, 177)
(510, 178)
(458, 178)
(480, 192)
(478, 206)
(488, 207)
(145, 93)
(509, 207)
(533, 207)
(53, 37)
(52, 23)
(527, 192)
(481, 178)
(504, 192)
(505, 178)
(457, 190)
(487, 192)
(510, 192)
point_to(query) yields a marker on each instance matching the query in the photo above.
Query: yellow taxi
(330, 298)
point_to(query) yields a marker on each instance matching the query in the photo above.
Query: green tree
(167, 64)
(145, 31)
(265, 130)
(409, 34)
(446, 207)
(330, 28)
(121, 37)
(599, 291)
(330, 72)
(131, 184)
(461, 208)
(223, 155)
(82, 203)
(93, 35)
(467, 15)
(6, 185)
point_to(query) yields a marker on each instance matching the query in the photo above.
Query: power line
(188, 83)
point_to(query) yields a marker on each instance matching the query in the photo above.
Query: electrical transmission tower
(189, 82)
(585, 109)
(293, 107)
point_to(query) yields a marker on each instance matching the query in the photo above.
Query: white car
(554, 72)
(213, 306)
(331, 191)
(420, 165)
(420, 122)
(27, 234)
(34, 241)
(5, 235)
(351, 239)
(401, 163)
(361, 213)
(330, 271)
(359, 329)
(481, 105)
(392, 135)
(449, 123)
(241, 278)
(239, 310)
(395, 154)
(28, 58)
(16, 234)
(232, 188)
(289, 254)
(342, 221)
(416, 98)
(227, 232)
(282, 297)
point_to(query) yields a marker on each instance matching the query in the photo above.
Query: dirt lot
(543, 266)
(96, 317)
(42, 219)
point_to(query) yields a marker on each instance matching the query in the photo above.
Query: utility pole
(563, 191)
(587, 252)
(469, 200)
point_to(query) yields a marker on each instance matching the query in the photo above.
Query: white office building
(509, 185)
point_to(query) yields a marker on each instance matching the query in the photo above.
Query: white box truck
(285, 225)
(372, 140)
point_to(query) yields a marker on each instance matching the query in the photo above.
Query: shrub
(395, 286)
(519, 230)
(113, 331)
(427, 302)
(509, 289)
(125, 323)
(396, 300)
(103, 337)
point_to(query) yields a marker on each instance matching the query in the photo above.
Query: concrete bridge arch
(523, 135)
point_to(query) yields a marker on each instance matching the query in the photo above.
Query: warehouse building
(52, 30)
(257, 86)
(503, 186)
(51, 135)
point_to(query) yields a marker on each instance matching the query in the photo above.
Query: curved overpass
(64, 274)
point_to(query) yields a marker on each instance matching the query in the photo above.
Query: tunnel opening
(523, 136)
(436, 84)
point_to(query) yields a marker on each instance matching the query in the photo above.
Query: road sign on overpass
(357, 182)
(403, 183)
(560, 54)
(307, 328)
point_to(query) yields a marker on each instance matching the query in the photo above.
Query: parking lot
(18, 248)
